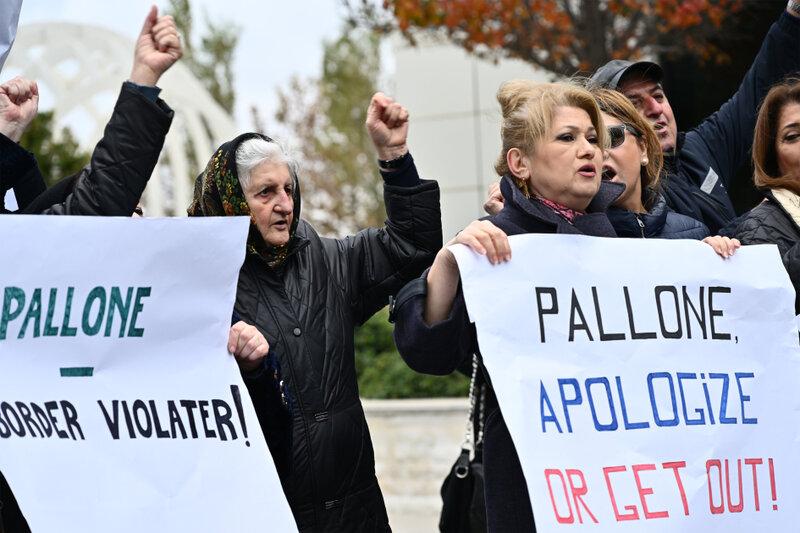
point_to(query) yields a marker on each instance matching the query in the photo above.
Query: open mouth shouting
(608, 173)
(660, 128)
(588, 171)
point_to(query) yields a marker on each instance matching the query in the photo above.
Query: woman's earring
(644, 161)
(523, 187)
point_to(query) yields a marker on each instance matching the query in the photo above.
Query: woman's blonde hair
(618, 106)
(528, 109)
(766, 173)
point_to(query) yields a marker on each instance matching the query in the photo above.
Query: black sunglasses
(617, 134)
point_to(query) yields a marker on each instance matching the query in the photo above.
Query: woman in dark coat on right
(776, 159)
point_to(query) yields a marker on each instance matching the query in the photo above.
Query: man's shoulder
(691, 153)
(692, 145)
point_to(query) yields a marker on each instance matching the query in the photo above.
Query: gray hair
(257, 150)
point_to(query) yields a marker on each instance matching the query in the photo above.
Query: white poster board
(648, 385)
(120, 406)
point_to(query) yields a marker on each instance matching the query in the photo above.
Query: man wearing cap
(700, 164)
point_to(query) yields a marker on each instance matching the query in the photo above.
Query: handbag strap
(480, 408)
(473, 434)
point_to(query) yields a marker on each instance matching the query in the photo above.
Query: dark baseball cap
(609, 75)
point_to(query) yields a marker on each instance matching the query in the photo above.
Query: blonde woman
(551, 164)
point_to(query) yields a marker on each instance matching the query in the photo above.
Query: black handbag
(463, 503)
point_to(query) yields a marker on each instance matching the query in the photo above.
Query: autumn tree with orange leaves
(562, 36)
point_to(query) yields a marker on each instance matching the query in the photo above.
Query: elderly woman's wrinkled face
(269, 196)
(566, 166)
(787, 141)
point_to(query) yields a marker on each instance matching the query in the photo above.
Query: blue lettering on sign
(673, 401)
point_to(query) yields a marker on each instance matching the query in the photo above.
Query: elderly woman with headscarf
(306, 293)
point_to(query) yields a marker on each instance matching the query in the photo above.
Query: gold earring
(522, 186)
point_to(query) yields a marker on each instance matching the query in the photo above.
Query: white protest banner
(120, 406)
(648, 385)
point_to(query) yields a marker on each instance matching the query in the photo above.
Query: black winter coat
(18, 171)
(660, 222)
(442, 348)
(709, 155)
(121, 164)
(769, 223)
(11, 517)
(307, 311)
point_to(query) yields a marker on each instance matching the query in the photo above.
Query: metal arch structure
(82, 67)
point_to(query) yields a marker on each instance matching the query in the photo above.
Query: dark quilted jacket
(307, 311)
(121, 164)
(660, 222)
(769, 223)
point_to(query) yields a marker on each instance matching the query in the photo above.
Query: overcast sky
(279, 38)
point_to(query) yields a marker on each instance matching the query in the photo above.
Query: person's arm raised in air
(125, 157)
(157, 49)
(727, 135)
(379, 261)
(19, 103)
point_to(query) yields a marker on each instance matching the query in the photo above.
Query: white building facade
(455, 120)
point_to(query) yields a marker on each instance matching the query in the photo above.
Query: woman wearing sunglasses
(634, 158)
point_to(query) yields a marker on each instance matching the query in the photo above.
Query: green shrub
(382, 373)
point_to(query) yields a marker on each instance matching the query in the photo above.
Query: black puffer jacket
(445, 346)
(11, 518)
(769, 223)
(660, 222)
(307, 311)
(18, 171)
(121, 164)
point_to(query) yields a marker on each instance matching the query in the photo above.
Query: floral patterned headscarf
(217, 192)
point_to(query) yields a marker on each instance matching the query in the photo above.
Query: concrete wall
(416, 443)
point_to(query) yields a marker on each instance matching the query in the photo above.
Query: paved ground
(419, 522)
(416, 442)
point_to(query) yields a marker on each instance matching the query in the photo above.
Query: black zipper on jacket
(707, 200)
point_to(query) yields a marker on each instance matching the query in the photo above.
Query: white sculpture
(79, 70)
